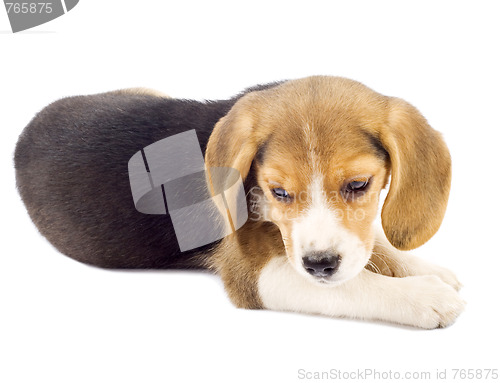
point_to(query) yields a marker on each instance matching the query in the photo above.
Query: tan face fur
(312, 138)
(320, 216)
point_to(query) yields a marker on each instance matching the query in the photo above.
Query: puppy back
(71, 166)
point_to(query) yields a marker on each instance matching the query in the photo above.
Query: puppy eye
(355, 188)
(281, 195)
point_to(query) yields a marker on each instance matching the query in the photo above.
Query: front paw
(408, 265)
(420, 267)
(447, 276)
(432, 303)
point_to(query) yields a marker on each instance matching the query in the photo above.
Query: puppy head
(322, 148)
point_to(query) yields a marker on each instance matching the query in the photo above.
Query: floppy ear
(420, 177)
(235, 139)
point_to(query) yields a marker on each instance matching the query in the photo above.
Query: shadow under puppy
(314, 154)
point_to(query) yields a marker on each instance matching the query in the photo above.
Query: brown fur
(141, 92)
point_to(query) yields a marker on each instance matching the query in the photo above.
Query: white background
(61, 321)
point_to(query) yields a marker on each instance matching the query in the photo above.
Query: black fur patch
(72, 173)
(377, 145)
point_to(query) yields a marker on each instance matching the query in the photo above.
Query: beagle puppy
(314, 155)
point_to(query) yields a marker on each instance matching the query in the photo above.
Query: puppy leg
(421, 301)
(387, 260)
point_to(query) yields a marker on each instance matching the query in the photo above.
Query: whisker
(382, 259)
(377, 270)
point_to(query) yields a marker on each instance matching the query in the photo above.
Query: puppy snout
(321, 264)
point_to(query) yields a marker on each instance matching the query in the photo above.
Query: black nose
(321, 264)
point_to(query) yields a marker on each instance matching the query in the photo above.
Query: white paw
(416, 266)
(447, 276)
(432, 302)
